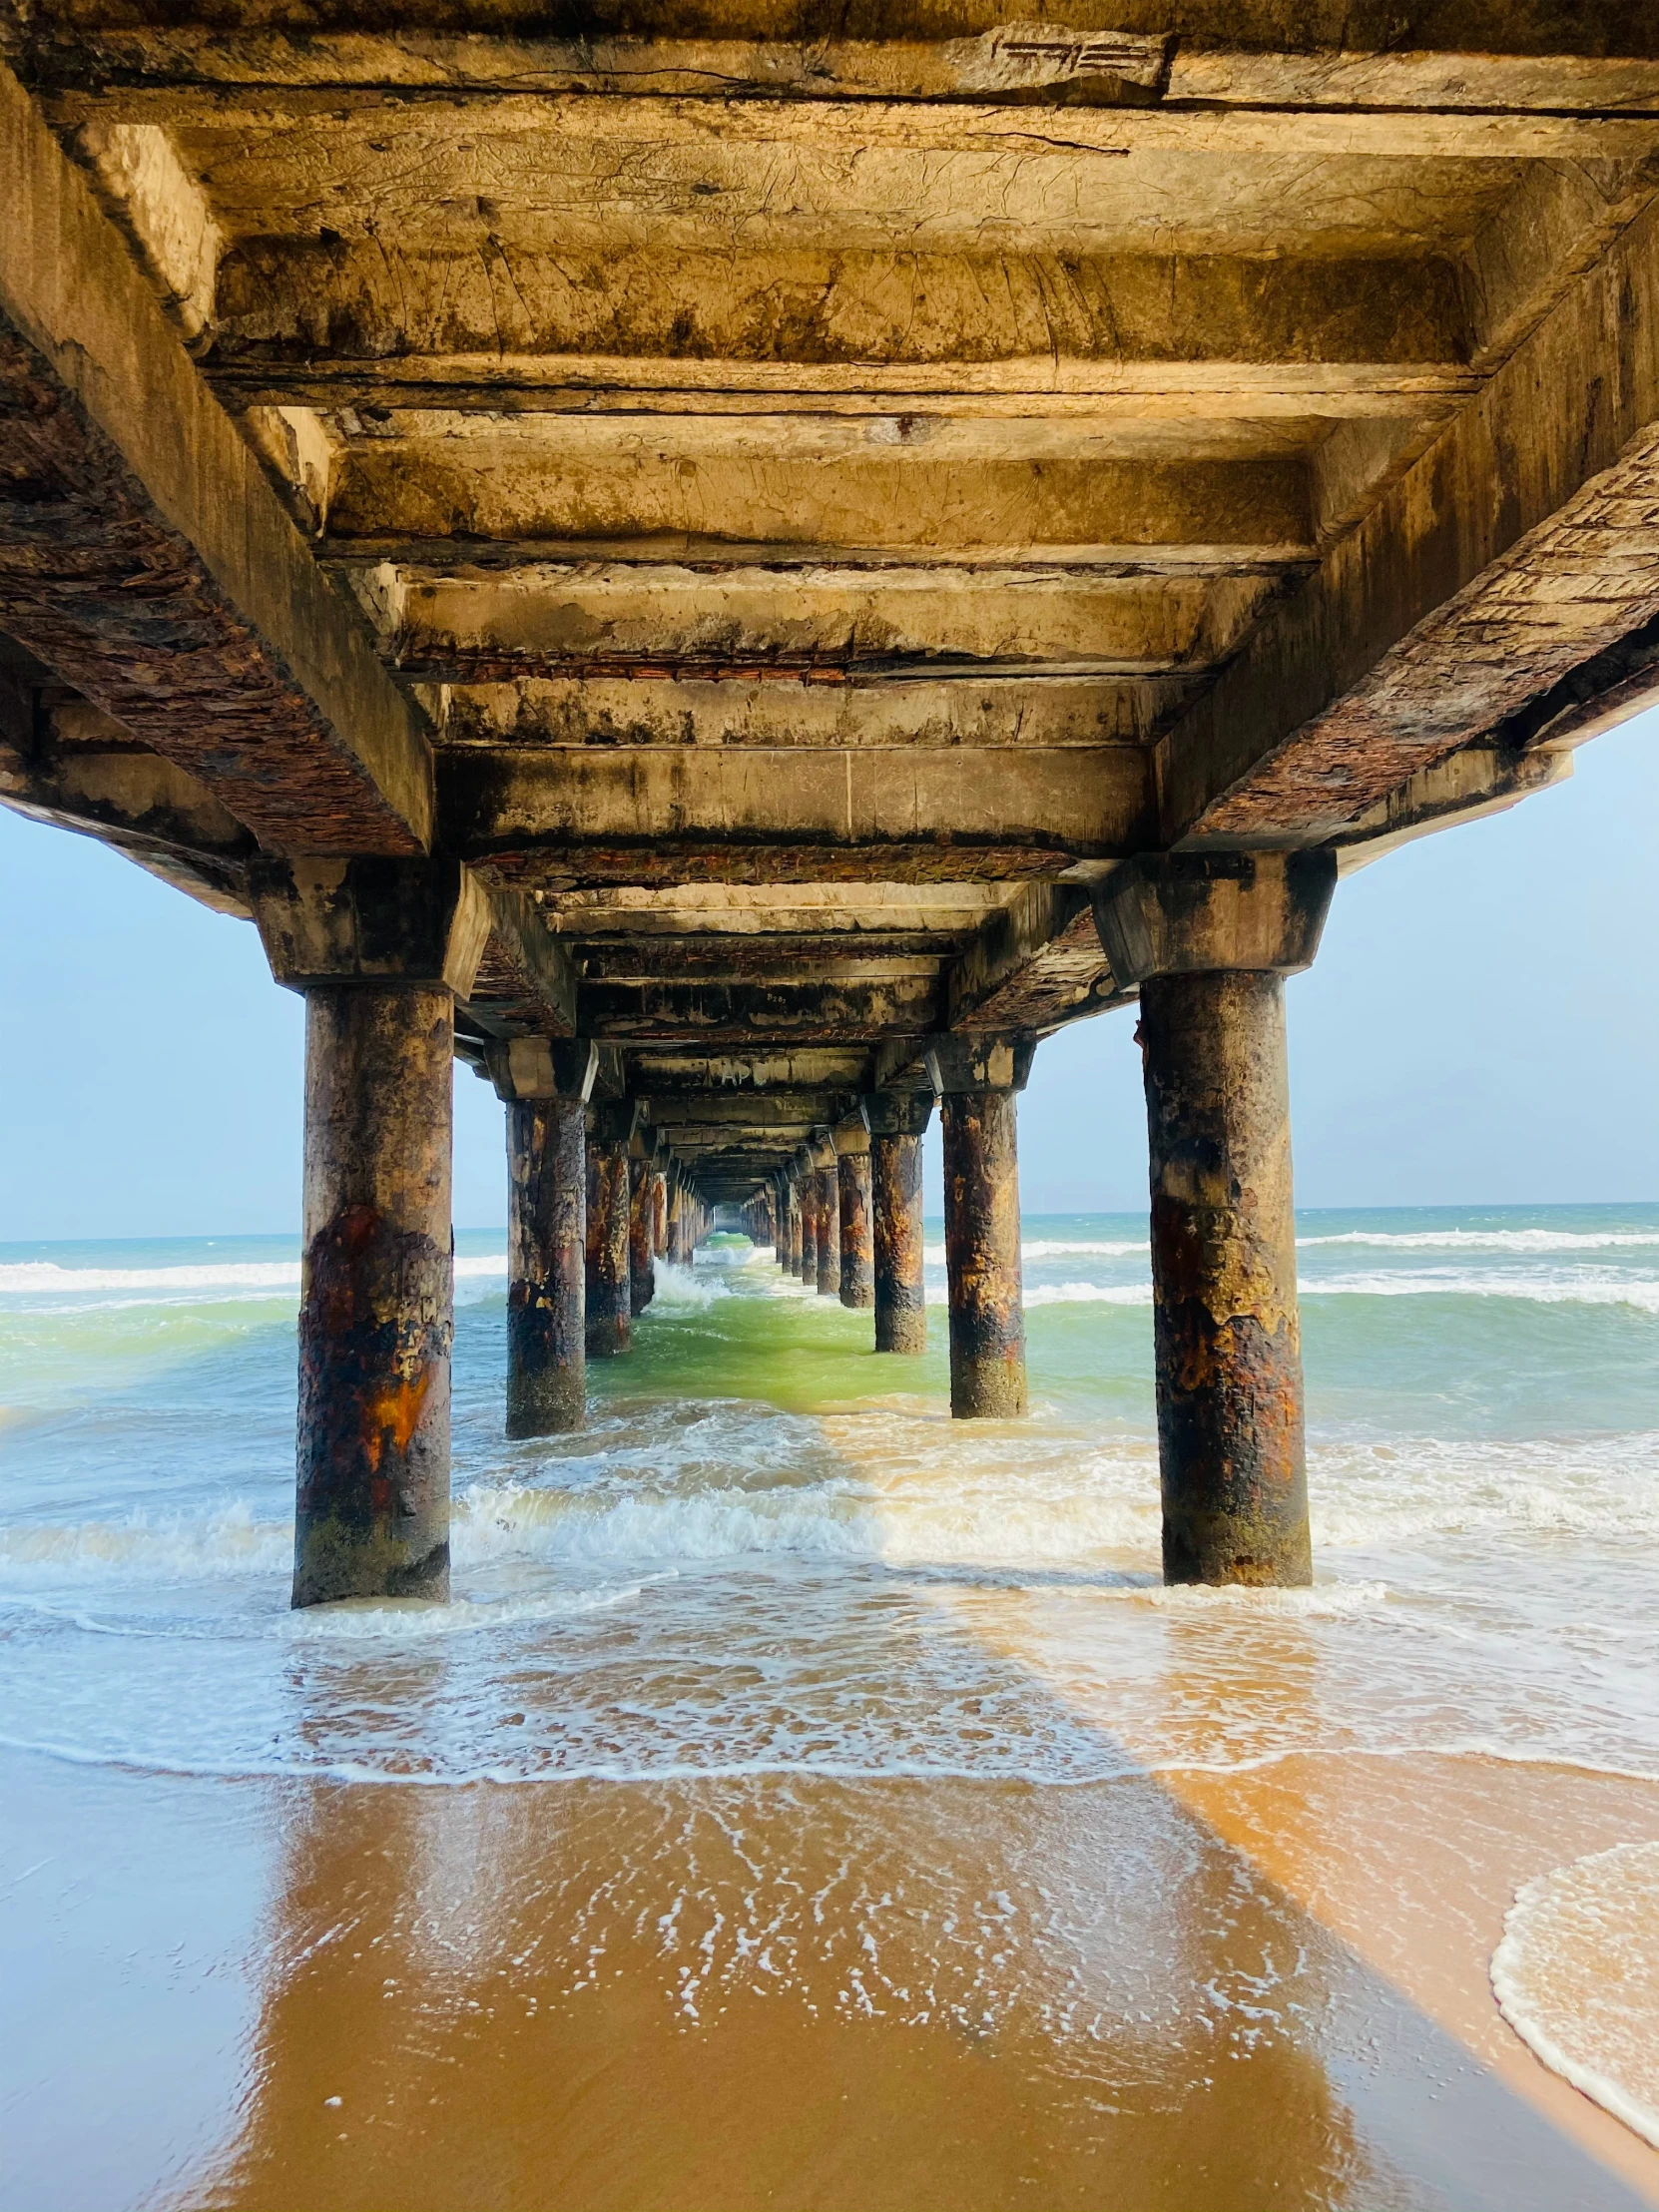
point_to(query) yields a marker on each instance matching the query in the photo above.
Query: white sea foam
(1577, 1977)
(105, 1290)
(1604, 1287)
(1089, 1294)
(1062, 1248)
(1490, 1239)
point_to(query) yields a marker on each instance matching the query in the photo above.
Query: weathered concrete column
(857, 1284)
(642, 1272)
(609, 1323)
(979, 1080)
(1209, 939)
(675, 1217)
(790, 1256)
(659, 1214)
(545, 1086)
(808, 1219)
(826, 1218)
(898, 1121)
(378, 947)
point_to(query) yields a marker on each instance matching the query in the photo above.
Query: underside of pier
(736, 567)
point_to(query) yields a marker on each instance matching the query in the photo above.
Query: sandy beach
(837, 1996)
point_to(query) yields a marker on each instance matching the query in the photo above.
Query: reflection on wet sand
(795, 1989)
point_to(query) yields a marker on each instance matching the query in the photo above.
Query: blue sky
(1481, 1027)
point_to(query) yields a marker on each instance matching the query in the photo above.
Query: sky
(1481, 1027)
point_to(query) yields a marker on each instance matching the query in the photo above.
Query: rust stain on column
(376, 1296)
(808, 1228)
(900, 1298)
(1228, 1339)
(827, 1222)
(659, 1214)
(858, 1260)
(609, 1329)
(981, 1251)
(642, 1274)
(546, 1265)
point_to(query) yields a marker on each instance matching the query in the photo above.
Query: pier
(735, 582)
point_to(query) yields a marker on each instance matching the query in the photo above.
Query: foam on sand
(1577, 1977)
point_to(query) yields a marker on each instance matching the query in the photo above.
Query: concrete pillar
(791, 1257)
(609, 1322)
(826, 1219)
(675, 1218)
(979, 1078)
(659, 1214)
(379, 949)
(808, 1222)
(858, 1282)
(641, 1273)
(545, 1088)
(1209, 939)
(897, 1120)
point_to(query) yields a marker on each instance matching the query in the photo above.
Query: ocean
(772, 1574)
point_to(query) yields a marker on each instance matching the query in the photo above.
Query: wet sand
(1250, 1989)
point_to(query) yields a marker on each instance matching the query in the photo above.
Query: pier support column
(545, 1087)
(609, 1319)
(898, 1121)
(659, 1214)
(980, 1079)
(379, 949)
(853, 1174)
(1209, 939)
(675, 1217)
(791, 1224)
(641, 1273)
(826, 1218)
(809, 1220)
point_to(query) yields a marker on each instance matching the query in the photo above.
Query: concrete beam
(763, 959)
(287, 299)
(1521, 545)
(586, 620)
(758, 1013)
(641, 815)
(67, 764)
(945, 914)
(405, 499)
(689, 1070)
(996, 707)
(525, 978)
(829, 128)
(146, 561)
(1595, 57)
(749, 1112)
(1034, 963)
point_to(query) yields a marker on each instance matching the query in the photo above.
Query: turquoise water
(772, 1549)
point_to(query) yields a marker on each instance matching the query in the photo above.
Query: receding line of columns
(381, 948)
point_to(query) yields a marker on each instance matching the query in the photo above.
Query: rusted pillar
(641, 1273)
(897, 1120)
(979, 1078)
(853, 1174)
(1209, 939)
(790, 1258)
(808, 1222)
(826, 1218)
(545, 1087)
(676, 1217)
(379, 948)
(609, 1325)
(659, 1214)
